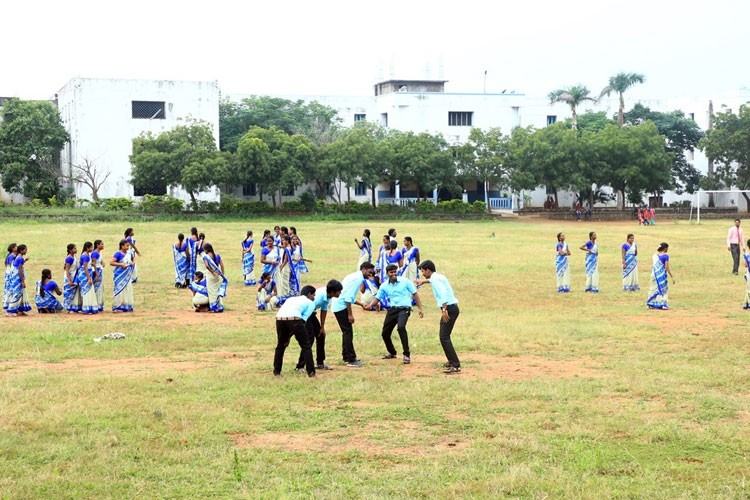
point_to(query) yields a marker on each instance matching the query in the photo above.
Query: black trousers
(285, 330)
(445, 335)
(735, 257)
(396, 317)
(347, 336)
(312, 325)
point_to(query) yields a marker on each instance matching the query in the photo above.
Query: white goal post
(696, 202)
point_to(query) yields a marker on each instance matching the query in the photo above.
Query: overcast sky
(329, 47)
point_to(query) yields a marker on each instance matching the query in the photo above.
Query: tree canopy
(31, 138)
(728, 143)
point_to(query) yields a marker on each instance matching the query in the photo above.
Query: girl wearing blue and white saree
(89, 304)
(130, 237)
(9, 259)
(630, 265)
(97, 263)
(410, 254)
(181, 264)
(658, 291)
(71, 295)
(270, 257)
(298, 253)
(44, 296)
(592, 264)
(268, 295)
(248, 260)
(382, 263)
(199, 250)
(216, 282)
(562, 268)
(122, 286)
(746, 257)
(192, 252)
(365, 248)
(17, 303)
(288, 281)
(200, 292)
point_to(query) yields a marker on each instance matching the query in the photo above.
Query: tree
(483, 157)
(728, 144)
(314, 120)
(682, 134)
(31, 138)
(631, 159)
(423, 159)
(591, 122)
(273, 159)
(620, 83)
(184, 156)
(91, 174)
(572, 96)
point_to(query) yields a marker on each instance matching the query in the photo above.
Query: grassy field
(561, 396)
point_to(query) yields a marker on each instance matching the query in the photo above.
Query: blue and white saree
(409, 269)
(301, 264)
(746, 256)
(248, 263)
(562, 269)
(193, 262)
(200, 298)
(8, 266)
(216, 283)
(71, 295)
(592, 268)
(181, 264)
(131, 252)
(630, 269)
(17, 301)
(45, 299)
(365, 252)
(122, 287)
(659, 289)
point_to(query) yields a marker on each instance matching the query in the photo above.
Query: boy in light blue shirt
(448, 304)
(290, 322)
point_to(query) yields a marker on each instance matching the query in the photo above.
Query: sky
(334, 47)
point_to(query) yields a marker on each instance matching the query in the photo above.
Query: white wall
(98, 116)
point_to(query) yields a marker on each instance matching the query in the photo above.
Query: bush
(161, 204)
(115, 204)
(293, 206)
(478, 207)
(309, 201)
(424, 207)
(453, 207)
(355, 207)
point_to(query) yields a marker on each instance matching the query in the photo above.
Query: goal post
(696, 203)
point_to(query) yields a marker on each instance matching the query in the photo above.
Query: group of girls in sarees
(283, 264)
(15, 296)
(200, 268)
(661, 271)
(83, 281)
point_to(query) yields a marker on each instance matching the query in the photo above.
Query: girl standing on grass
(122, 288)
(659, 289)
(216, 282)
(248, 260)
(365, 248)
(562, 269)
(270, 258)
(18, 298)
(71, 296)
(46, 302)
(200, 265)
(97, 263)
(288, 282)
(9, 259)
(192, 252)
(380, 275)
(181, 256)
(89, 303)
(746, 256)
(130, 237)
(411, 260)
(297, 248)
(630, 265)
(592, 264)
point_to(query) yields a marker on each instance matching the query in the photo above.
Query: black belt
(291, 318)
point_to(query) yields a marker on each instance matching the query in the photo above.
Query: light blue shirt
(348, 295)
(399, 293)
(442, 290)
(321, 299)
(296, 307)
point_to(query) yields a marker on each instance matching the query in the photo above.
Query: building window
(384, 119)
(551, 119)
(360, 189)
(692, 116)
(249, 190)
(149, 110)
(460, 118)
(287, 191)
(359, 117)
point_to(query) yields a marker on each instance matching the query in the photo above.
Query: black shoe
(388, 355)
(452, 369)
(323, 366)
(354, 364)
(311, 375)
(407, 360)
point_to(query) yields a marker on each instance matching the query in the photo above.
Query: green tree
(728, 143)
(573, 96)
(423, 159)
(483, 157)
(682, 134)
(631, 160)
(273, 159)
(31, 137)
(620, 83)
(184, 156)
(314, 120)
(591, 122)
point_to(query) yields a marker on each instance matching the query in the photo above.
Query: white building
(103, 116)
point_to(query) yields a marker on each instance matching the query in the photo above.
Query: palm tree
(572, 96)
(620, 83)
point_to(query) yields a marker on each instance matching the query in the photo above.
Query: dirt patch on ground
(683, 321)
(483, 367)
(421, 438)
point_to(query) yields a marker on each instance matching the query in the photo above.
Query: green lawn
(576, 395)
